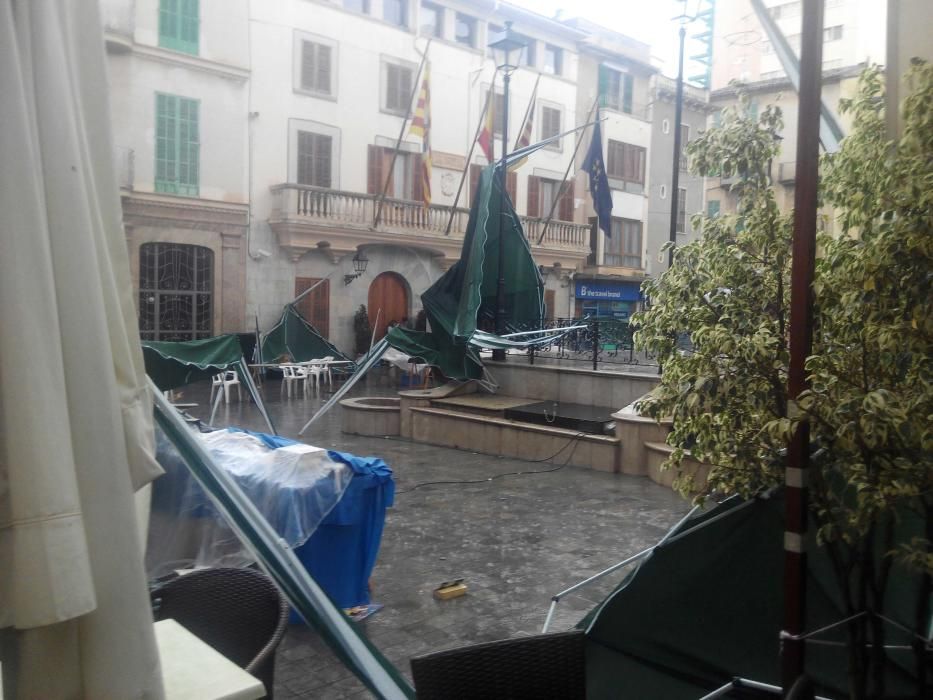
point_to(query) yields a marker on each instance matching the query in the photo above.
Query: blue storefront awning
(603, 290)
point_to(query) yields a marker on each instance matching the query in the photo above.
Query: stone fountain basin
(371, 415)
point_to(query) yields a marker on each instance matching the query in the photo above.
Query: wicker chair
(543, 666)
(239, 612)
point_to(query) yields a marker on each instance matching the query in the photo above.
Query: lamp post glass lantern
(360, 261)
(507, 50)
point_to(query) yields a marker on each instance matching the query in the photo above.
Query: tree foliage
(870, 402)
(729, 290)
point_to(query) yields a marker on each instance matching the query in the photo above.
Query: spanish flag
(487, 135)
(421, 126)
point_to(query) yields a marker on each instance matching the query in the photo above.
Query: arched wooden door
(388, 292)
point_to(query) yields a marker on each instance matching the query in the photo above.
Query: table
(193, 670)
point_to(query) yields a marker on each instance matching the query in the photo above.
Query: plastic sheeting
(293, 485)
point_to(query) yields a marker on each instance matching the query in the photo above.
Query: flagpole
(560, 191)
(531, 106)
(416, 86)
(466, 168)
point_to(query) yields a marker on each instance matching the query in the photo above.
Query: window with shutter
(533, 196)
(375, 176)
(550, 198)
(626, 162)
(623, 248)
(177, 147)
(681, 210)
(398, 80)
(314, 159)
(565, 205)
(316, 63)
(179, 25)
(315, 307)
(616, 89)
(550, 126)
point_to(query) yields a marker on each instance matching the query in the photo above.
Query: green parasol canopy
(463, 301)
(295, 337)
(175, 364)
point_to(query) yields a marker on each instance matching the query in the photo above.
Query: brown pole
(416, 86)
(466, 168)
(563, 183)
(801, 336)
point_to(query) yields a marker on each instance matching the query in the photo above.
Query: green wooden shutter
(603, 86)
(189, 145)
(166, 171)
(179, 25)
(178, 145)
(627, 89)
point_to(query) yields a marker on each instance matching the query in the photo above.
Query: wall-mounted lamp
(360, 261)
(544, 272)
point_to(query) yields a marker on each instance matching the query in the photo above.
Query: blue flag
(599, 183)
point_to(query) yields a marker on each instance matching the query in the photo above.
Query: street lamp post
(678, 146)
(507, 50)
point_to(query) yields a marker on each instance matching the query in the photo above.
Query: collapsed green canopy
(299, 340)
(175, 364)
(463, 300)
(707, 606)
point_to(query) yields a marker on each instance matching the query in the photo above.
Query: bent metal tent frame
(175, 364)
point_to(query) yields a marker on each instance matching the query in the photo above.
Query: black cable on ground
(575, 440)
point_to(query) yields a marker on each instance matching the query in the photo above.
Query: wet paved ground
(515, 540)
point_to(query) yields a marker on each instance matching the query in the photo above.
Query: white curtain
(75, 416)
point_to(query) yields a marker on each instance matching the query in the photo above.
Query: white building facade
(256, 138)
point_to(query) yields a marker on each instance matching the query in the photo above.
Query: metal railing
(322, 205)
(601, 341)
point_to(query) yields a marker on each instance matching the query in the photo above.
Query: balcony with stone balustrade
(336, 222)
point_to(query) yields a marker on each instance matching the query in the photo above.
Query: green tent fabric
(707, 606)
(463, 300)
(175, 364)
(299, 340)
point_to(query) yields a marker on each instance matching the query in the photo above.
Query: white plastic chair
(312, 374)
(290, 375)
(222, 382)
(326, 367)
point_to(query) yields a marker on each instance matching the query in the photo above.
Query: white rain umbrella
(75, 416)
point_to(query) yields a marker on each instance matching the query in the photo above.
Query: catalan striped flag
(487, 137)
(421, 126)
(524, 136)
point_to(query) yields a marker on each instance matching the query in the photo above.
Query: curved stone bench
(658, 452)
(634, 431)
(371, 415)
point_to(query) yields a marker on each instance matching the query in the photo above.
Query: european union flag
(599, 183)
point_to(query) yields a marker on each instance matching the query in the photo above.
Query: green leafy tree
(730, 291)
(870, 405)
